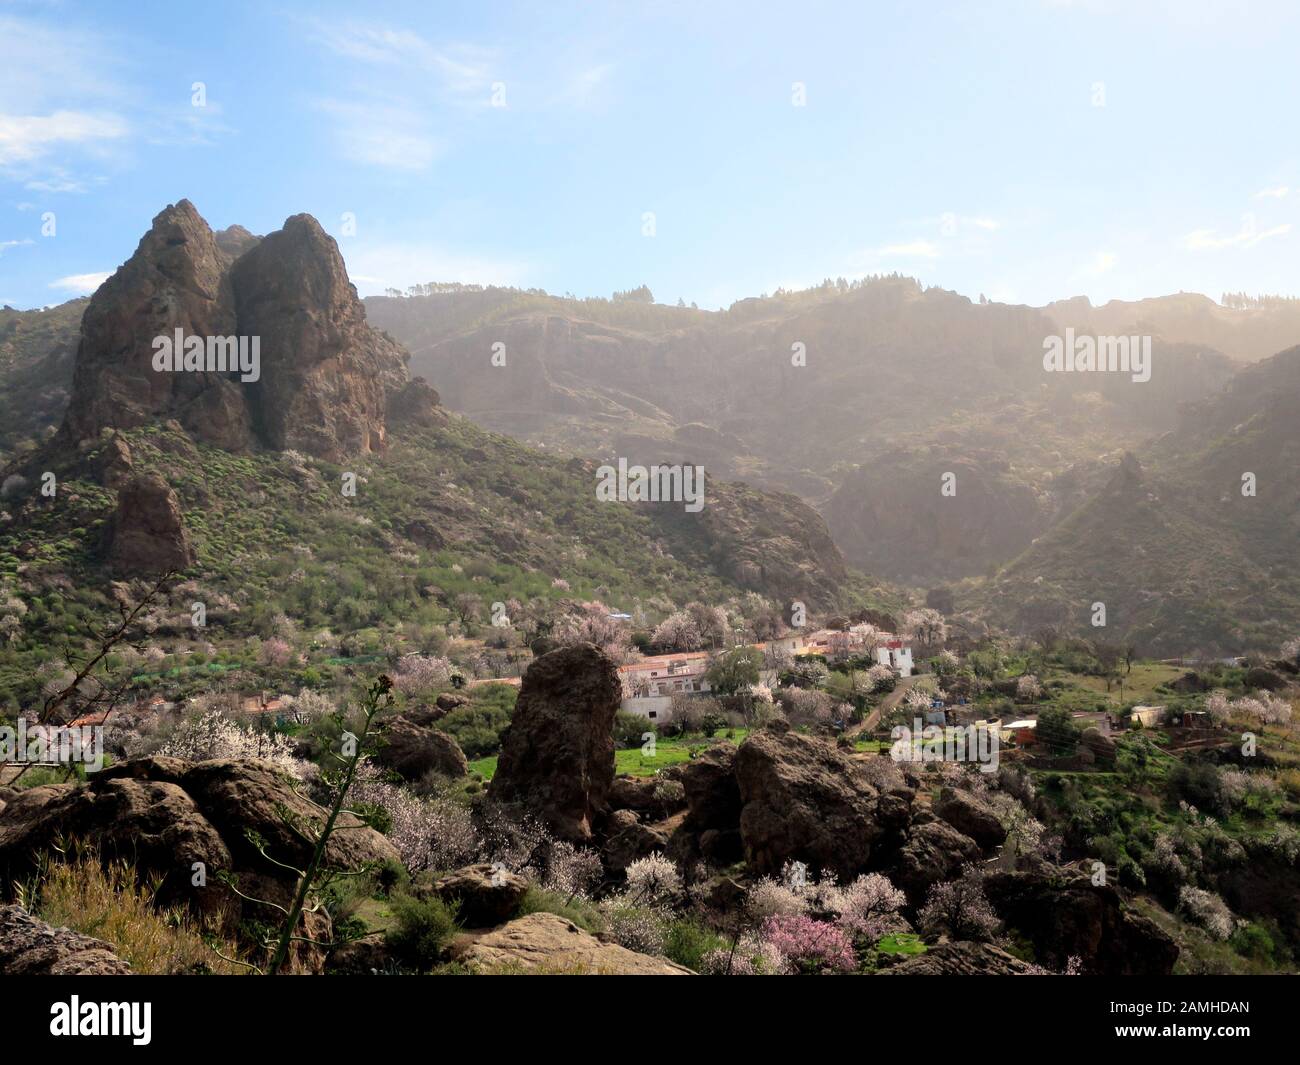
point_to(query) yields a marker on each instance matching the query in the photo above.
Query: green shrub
(688, 941)
(422, 930)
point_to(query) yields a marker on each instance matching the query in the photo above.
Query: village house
(650, 684)
(888, 649)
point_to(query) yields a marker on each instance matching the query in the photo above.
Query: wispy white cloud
(7, 244)
(462, 67)
(1247, 237)
(1277, 192)
(81, 284)
(384, 135)
(25, 138)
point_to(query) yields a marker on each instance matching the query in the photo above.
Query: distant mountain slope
(846, 395)
(37, 352)
(1245, 333)
(256, 464)
(1181, 558)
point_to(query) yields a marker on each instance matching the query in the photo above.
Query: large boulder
(1102, 747)
(486, 895)
(557, 754)
(971, 816)
(1067, 916)
(147, 533)
(712, 793)
(548, 943)
(802, 799)
(934, 851)
(627, 840)
(173, 819)
(412, 750)
(963, 959)
(30, 947)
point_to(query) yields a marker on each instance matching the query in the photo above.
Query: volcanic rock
(1066, 917)
(557, 754)
(30, 947)
(548, 942)
(412, 750)
(326, 374)
(147, 534)
(971, 817)
(486, 894)
(934, 851)
(804, 800)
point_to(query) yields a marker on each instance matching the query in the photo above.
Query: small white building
(650, 684)
(891, 651)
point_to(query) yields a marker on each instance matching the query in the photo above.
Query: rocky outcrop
(804, 800)
(175, 819)
(712, 794)
(627, 840)
(1065, 917)
(971, 817)
(176, 279)
(147, 534)
(326, 375)
(411, 750)
(30, 947)
(485, 895)
(325, 379)
(557, 755)
(934, 851)
(548, 943)
(112, 464)
(963, 959)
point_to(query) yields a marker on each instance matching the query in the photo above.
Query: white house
(650, 684)
(891, 651)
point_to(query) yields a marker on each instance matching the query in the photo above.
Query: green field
(633, 762)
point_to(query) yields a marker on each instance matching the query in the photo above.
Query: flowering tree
(214, 735)
(809, 945)
(1028, 689)
(1207, 910)
(926, 626)
(678, 632)
(959, 908)
(653, 879)
(420, 674)
(868, 907)
(710, 622)
(591, 623)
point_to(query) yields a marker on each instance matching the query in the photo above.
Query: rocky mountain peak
(323, 376)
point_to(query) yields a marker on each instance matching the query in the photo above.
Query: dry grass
(109, 904)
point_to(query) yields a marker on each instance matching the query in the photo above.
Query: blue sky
(1027, 150)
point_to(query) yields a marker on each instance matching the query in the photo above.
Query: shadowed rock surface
(147, 533)
(557, 755)
(804, 800)
(164, 814)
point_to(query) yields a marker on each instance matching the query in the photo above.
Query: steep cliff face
(324, 376)
(177, 279)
